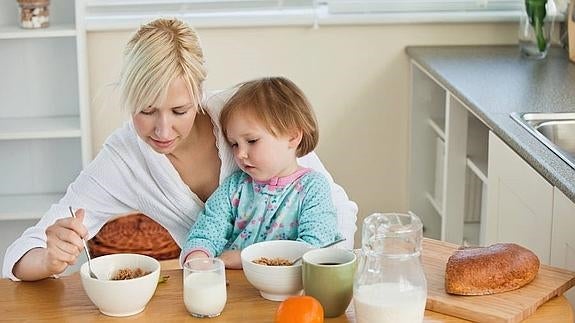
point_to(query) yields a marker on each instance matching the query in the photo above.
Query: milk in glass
(205, 293)
(204, 287)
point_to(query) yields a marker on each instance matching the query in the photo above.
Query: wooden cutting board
(512, 306)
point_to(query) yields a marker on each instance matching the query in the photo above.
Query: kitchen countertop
(64, 299)
(494, 81)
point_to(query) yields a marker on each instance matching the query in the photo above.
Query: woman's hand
(63, 245)
(231, 259)
(64, 242)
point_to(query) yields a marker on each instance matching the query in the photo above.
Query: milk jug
(389, 285)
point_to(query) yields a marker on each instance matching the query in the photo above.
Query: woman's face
(165, 126)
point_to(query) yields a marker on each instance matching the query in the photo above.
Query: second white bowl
(275, 283)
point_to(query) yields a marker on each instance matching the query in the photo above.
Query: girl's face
(258, 152)
(165, 126)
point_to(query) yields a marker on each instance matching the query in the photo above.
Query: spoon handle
(83, 241)
(324, 246)
(333, 243)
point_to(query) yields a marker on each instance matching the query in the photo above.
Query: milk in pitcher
(382, 303)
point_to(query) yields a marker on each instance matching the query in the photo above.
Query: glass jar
(390, 285)
(34, 13)
(535, 29)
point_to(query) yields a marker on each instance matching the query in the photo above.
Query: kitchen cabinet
(527, 194)
(519, 202)
(448, 162)
(524, 208)
(467, 185)
(563, 239)
(44, 125)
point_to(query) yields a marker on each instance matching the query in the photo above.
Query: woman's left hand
(231, 259)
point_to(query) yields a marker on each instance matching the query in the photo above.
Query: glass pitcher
(389, 285)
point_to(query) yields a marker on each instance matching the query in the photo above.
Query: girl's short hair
(158, 53)
(279, 105)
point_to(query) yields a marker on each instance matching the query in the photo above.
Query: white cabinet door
(519, 202)
(563, 242)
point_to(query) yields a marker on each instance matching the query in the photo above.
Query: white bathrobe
(127, 176)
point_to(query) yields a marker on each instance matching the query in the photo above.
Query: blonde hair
(158, 53)
(279, 105)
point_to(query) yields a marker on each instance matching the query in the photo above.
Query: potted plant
(535, 29)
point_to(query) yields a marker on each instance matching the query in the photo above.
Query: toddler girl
(269, 123)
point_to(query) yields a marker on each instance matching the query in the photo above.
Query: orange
(300, 309)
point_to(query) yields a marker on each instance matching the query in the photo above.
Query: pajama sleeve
(317, 222)
(214, 225)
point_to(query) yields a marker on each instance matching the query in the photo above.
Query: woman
(165, 162)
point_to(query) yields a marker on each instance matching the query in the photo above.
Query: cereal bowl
(120, 297)
(275, 283)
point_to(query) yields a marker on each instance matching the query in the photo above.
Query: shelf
(437, 126)
(15, 32)
(26, 206)
(44, 110)
(40, 128)
(435, 204)
(479, 167)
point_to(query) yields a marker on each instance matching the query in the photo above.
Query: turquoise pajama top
(243, 211)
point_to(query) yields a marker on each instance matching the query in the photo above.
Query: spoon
(85, 249)
(324, 246)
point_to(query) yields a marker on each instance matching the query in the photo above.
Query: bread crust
(488, 270)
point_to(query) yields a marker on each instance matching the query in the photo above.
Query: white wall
(357, 78)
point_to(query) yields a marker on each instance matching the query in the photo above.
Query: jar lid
(34, 2)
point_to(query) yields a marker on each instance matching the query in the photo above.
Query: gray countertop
(493, 81)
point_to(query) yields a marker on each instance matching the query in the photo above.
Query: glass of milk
(390, 285)
(205, 287)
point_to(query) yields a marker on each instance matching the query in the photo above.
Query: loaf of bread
(488, 270)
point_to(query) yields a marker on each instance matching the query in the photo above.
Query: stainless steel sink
(555, 130)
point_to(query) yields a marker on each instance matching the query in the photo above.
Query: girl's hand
(64, 242)
(195, 255)
(231, 259)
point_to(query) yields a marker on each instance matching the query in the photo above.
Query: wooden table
(64, 300)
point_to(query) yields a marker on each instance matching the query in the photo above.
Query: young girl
(268, 123)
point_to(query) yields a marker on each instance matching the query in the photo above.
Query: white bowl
(120, 297)
(275, 283)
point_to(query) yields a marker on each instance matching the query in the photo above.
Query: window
(397, 6)
(117, 14)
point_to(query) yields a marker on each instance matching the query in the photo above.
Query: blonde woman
(165, 162)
